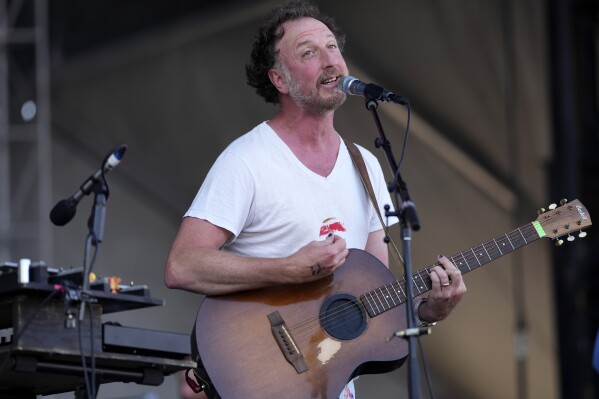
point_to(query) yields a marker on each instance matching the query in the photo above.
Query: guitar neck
(387, 297)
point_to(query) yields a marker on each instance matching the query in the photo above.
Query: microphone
(410, 332)
(65, 210)
(350, 85)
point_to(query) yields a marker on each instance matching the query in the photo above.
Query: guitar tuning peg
(582, 234)
(540, 211)
(570, 238)
(552, 206)
(558, 242)
(563, 201)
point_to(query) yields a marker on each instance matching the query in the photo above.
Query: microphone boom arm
(65, 210)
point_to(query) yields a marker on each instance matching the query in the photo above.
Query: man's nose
(330, 58)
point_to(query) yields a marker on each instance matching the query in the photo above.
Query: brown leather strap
(356, 157)
(358, 161)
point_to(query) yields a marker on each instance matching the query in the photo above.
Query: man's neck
(304, 129)
(312, 138)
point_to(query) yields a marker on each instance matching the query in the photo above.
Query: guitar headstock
(564, 220)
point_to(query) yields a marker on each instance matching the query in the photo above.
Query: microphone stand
(408, 220)
(61, 214)
(95, 225)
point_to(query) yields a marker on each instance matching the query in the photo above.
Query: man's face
(310, 64)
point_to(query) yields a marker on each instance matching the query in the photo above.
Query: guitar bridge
(286, 342)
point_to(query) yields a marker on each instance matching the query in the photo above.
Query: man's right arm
(196, 262)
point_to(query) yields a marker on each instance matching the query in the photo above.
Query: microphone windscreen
(63, 212)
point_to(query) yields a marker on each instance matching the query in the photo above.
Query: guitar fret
(503, 240)
(508, 238)
(516, 238)
(402, 292)
(379, 300)
(428, 283)
(491, 250)
(498, 249)
(497, 245)
(390, 296)
(522, 236)
(385, 298)
(472, 250)
(490, 259)
(377, 311)
(481, 256)
(416, 285)
(368, 305)
(525, 236)
(456, 263)
(471, 258)
(397, 293)
(423, 283)
(463, 257)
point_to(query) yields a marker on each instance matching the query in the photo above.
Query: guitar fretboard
(389, 296)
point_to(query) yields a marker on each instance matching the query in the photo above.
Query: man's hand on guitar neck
(448, 289)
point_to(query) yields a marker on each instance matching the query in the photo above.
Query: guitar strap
(358, 161)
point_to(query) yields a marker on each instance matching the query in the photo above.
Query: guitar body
(244, 360)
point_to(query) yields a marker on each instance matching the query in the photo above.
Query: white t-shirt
(273, 204)
(258, 190)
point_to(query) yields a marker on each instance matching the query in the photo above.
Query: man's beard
(311, 101)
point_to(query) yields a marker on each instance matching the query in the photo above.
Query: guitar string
(331, 318)
(422, 274)
(375, 296)
(310, 325)
(516, 236)
(378, 295)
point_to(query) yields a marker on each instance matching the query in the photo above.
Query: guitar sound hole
(342, 317)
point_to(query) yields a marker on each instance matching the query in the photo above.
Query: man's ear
(276, 78)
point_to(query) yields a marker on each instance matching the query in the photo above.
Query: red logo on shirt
(331, 225)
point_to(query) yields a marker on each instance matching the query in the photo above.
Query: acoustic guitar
(308, 340)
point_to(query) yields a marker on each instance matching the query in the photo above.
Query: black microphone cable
(90, 380)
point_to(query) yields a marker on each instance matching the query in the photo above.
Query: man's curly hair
(264, 56)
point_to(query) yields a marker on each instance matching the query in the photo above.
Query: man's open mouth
(331, 80)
